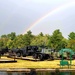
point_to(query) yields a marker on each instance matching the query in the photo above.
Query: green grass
(33, 64)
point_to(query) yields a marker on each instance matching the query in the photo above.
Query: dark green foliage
(55, 41)
(71, 36)
(71, 41)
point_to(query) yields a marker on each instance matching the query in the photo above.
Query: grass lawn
(34, 64)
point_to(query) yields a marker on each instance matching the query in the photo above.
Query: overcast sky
(18, 15)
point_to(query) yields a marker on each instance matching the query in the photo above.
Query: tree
(18, 42)
(41, 34)
(27, 38)
(71, 36)
(1, 43)
(10, 44)
(12, 35)
(71, 41)
(40, 40)
(4, 36)
(56, 40)
(8, 39)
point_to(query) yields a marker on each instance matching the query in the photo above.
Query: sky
(38, 16)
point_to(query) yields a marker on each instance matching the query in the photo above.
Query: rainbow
(54, 11)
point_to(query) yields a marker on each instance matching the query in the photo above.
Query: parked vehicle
(4, 50)
(44, 54)
(27, 51)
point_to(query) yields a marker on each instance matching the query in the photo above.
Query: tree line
(55, 41)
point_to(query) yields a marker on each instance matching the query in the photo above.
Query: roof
(66, 50)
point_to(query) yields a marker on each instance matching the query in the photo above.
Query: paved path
(37, 70)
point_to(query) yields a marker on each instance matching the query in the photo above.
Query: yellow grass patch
(34, 64)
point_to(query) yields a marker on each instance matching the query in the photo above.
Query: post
(14, 55)
(70, 60)
(0, 55)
